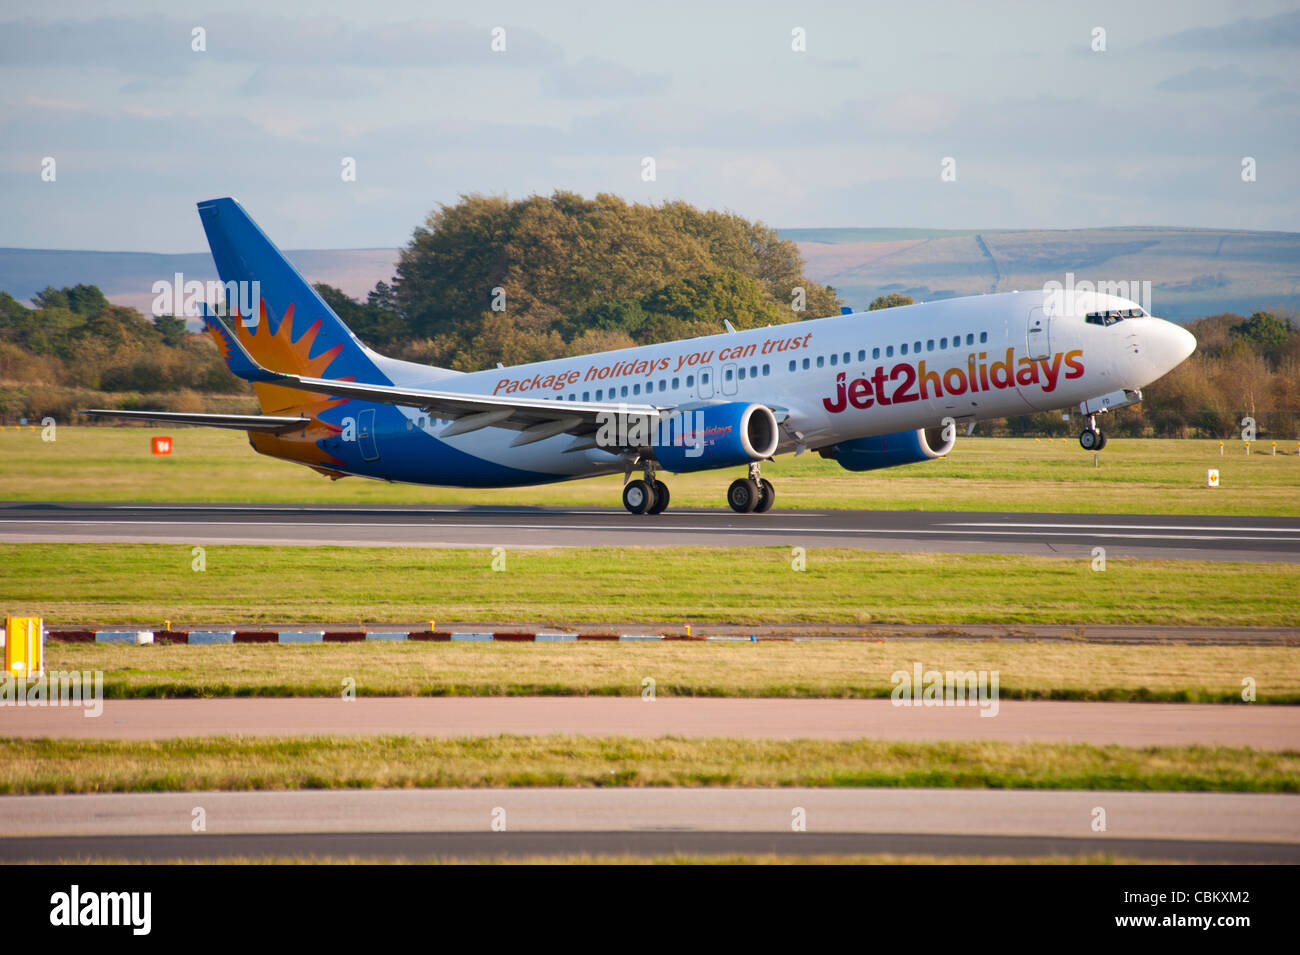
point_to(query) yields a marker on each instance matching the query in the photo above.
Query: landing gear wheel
(638, 497)
(1101, 445)
(766, 496)
(1090, 440)
(743, 495)
(661, 499)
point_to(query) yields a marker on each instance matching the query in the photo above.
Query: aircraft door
(366, 435)
(729, 383)
(1038, 334)
(706, 381)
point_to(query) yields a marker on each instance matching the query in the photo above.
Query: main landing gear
(754, 493)
(1092, 438)
(649, 496)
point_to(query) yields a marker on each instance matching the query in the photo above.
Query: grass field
(1136, 476)
(139, 583)
(326, 762)
(830, 669)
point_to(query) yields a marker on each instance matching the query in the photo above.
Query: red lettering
(902, 393)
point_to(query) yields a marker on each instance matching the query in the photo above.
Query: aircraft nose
(1172, 344)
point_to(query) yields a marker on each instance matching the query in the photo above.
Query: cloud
(593, 77)
(1281, 32)
(1204, 79)
(151, 45)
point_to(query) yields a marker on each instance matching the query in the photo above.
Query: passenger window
(889, 351)
(984, 337)
(903, 349)
(625, 391)
(929, 345)
(847, 356)
(729, 374)
(753, 371)
(704, 378)
(875, 353)
(970, 339)
(862, 354)
(806, 364)
(792, 364)
(835, 359)
(943, 343)
(676, 383)
(767, 369)
(690, 381)
(821, 361)
(916, 347)
(586, 396)
(742, 373)
(636, 389)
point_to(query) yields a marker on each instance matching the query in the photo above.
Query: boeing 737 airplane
(870, 390)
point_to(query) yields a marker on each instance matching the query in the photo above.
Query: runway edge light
(24, 646)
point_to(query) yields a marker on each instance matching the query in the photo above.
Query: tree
(80, 299)
(171, 328)
(892, 300)
(1265, 331)
(371, 322)
(563, 264)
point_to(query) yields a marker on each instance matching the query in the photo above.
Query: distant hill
(1193, 272)
(127, 277)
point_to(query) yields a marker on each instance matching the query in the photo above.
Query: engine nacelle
(716, 436)
(891, 450)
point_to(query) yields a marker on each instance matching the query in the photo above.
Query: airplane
(866, 389)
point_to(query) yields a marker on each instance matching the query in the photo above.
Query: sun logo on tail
(279, 351)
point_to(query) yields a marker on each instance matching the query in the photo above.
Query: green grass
(140, 583)
(325, 762)
(835, 669)
(1136, 476)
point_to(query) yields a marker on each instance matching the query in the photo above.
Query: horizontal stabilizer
(240, 422)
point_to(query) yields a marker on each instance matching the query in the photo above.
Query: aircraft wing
(536, 418)
(240, 422)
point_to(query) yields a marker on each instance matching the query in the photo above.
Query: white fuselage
(839, 378)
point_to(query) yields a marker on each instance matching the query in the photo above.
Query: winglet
(241, 363)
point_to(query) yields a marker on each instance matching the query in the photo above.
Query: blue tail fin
(291, 328)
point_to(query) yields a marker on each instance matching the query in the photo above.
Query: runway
(444, 823)
(1061, 535)
(1129, 724)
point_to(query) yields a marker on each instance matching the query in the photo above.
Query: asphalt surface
(427, 823)
(1123, 535)
(1130, 724)
(522, 845)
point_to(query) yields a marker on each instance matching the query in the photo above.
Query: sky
(1044, 130)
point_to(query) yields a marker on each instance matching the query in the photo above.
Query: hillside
(1193, 272)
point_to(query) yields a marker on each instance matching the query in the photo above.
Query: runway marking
(1134, 527)
(953, 530)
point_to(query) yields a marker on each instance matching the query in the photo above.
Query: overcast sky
(1045, 132)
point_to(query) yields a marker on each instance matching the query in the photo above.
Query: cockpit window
(1113, 316)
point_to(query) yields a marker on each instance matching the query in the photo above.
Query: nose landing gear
(752, 494)
(1092, 438)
